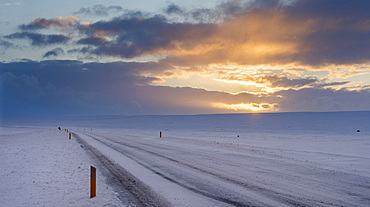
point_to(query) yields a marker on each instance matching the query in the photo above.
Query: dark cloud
(55, 52)
(195, 15)
(136, 36)
(339, 33)
(91, 41)
(38, 39)
(99, 10)
(330, 8)
(69, 87)
(339, 47)
(173, 9)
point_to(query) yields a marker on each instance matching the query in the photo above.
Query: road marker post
(70, 136)
(93, 182)
(160, 134)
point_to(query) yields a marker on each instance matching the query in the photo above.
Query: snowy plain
(283, 159)
(41, 167)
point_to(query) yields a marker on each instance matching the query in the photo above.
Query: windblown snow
(282, 159)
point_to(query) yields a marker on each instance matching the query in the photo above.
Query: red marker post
(93, 182)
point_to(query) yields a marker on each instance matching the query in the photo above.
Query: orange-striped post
(93, 182)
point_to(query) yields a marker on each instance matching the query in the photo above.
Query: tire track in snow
(135, 191)
(218, 198)
(273, 195)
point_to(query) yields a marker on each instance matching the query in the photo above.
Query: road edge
(130, 189)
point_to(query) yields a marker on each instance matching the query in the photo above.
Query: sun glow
(253, 107)
(250, 83)
(264, 88)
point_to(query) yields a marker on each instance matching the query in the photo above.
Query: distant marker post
(160, 134)
(93, 182)
(70, 136)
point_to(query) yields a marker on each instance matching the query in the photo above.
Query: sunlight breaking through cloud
(251, 107)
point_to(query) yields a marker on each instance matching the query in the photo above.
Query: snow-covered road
(222, 169)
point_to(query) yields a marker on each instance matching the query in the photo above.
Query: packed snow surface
(42, 167)
(286, 159)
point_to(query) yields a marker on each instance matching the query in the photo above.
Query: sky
(125, 57)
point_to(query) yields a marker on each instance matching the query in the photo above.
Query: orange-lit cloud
(57, 23)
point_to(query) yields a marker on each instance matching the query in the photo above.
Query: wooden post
(70, 135)
(160, 134)
(93, 182)
(67, 130)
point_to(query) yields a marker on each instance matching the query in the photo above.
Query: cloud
(250, 33)
(99, 10)
(92, 41)
(195, 15)
(68, 87)
(325, 85)
(55, 52)
(306, 43)
(44, 23)
(6, 44)
(13, 3)
(136, 36)
(56, 87)
(173, 9)
(299, 32)
(38, 39)
(273, 80)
